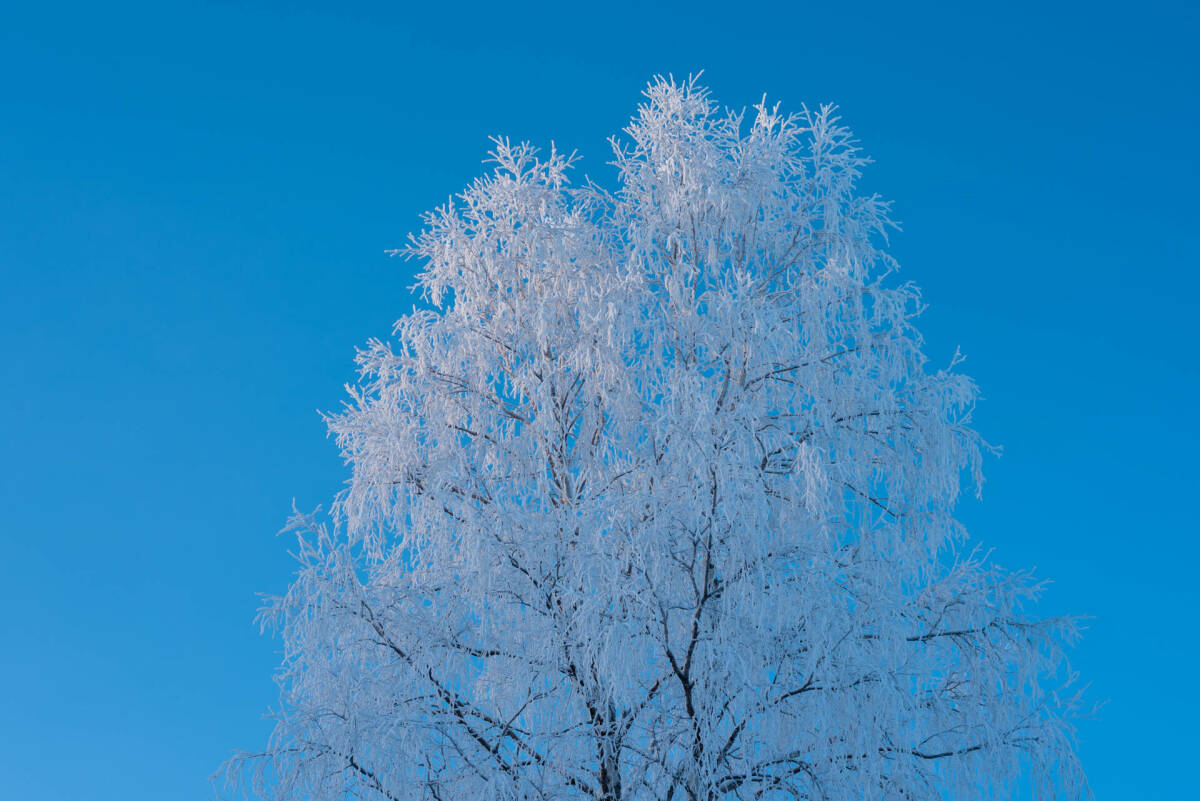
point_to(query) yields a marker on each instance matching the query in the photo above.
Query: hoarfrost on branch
(655, 501)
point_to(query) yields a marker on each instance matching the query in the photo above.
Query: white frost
(657, 504)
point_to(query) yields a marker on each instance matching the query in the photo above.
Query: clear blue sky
(194, 203)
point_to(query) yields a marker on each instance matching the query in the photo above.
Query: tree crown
(656, 501)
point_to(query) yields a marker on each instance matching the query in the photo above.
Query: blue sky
(194, 203)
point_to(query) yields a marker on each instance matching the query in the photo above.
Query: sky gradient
(195, 201)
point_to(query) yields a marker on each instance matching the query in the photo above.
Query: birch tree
(654, 499)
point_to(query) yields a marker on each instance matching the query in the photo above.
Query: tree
(655, 501)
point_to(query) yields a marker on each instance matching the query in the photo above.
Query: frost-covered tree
(655, 501)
